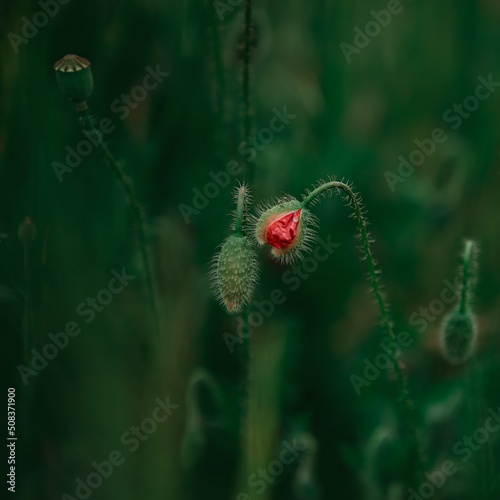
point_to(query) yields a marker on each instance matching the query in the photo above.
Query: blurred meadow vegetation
(352, 120)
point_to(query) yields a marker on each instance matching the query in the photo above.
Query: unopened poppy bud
(74, 78)
(234, 269)
(458, 337)
(27, 231)
(234, 273)
(286, 228)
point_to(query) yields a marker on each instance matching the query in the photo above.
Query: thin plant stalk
(234, 274)
(406, 400)
(246, 74)
(245, 378)
(247, 125)
(476, 399)
(245, 367)
(221, 81)
(247, 428)
(474, 378)
(246, 362)
(245, 353)
(137, 212)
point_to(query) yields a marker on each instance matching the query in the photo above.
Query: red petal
(283, 231)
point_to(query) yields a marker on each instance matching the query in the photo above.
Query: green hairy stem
(137, 212)
(384, 310)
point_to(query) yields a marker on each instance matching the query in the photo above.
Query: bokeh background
(352, 120)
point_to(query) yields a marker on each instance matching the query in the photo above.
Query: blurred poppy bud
(74, 78)
(459, 330)
(286, 228)
(458, 337)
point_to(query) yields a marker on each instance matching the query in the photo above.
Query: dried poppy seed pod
(286, 228)
(74, 78)
(458, 337)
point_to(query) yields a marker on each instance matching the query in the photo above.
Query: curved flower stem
(135, 207)
(384, 310)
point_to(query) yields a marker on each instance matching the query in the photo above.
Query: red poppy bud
(283, 230)
(286, 228)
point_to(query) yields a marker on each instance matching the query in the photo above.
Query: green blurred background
(352, 120)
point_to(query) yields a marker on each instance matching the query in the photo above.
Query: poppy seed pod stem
(407, 402)
(135, 207)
